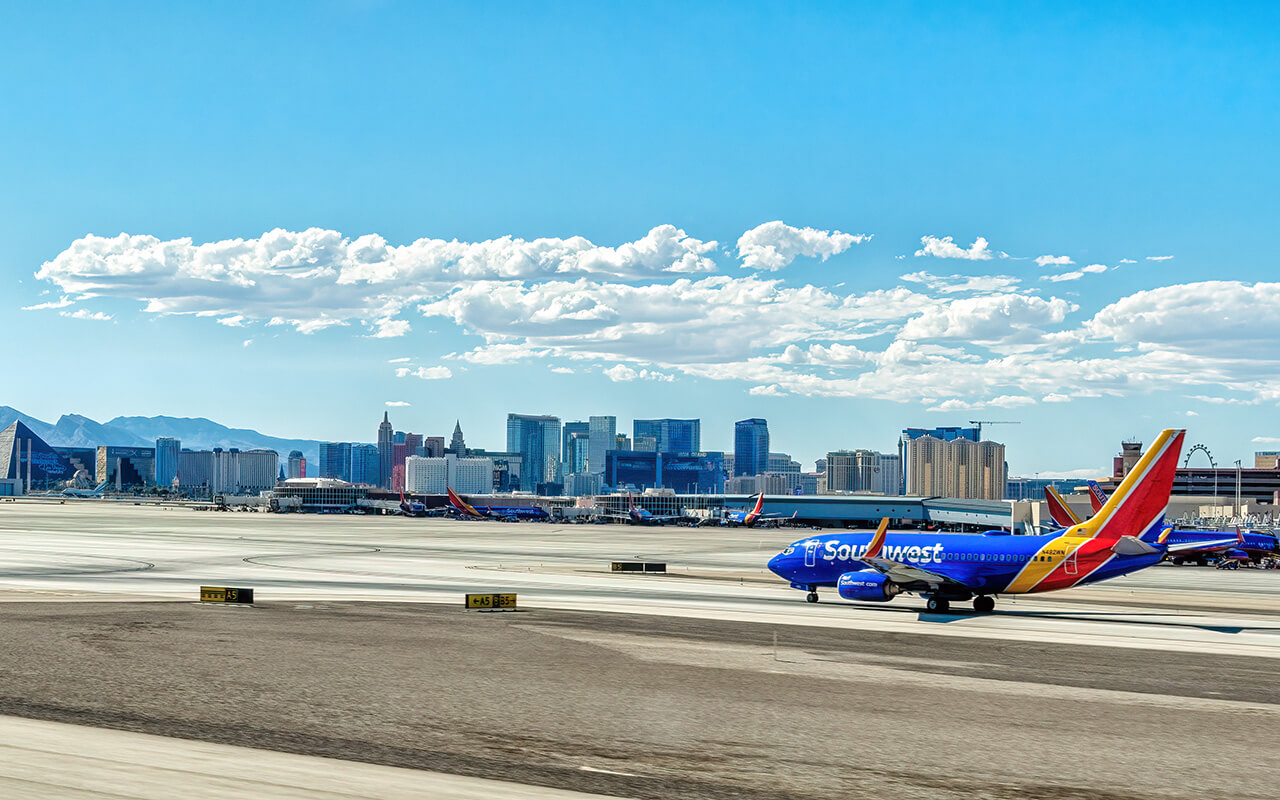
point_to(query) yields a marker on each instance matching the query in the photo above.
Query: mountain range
(196, 433)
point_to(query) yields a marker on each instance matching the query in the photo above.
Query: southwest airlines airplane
(505, 513)
(753, 517)
(978, 567)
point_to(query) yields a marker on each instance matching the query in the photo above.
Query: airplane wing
(903, 573)
(1212, 546)
(898, 571)
(1206, 547)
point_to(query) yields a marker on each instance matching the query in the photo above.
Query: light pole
(1238, 489)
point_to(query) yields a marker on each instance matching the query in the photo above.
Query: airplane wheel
(812, 597)
(983, 604)
(938, 604)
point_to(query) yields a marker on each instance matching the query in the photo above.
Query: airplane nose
(777, 565)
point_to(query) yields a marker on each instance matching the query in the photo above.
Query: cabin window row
(1003, 558)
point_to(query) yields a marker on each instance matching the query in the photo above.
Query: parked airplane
(506, 513)
(1200, 546)
(942, 568)
(753, 517)
(94, 492)
(1059, 511)
(411, 509)
(641, 516)
(1097, 497)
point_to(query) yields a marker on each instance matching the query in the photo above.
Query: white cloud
(232, 322)
(1063, 276)
(716, 318)
(316, 278)
(404, 360)
(1159, 258)
(1055, 261)
(774, 245)
(1192, 414)
(1127, 261)
(1265, 440)
(398, 404)
(84, 313)
(1003, 401)
(1054, 397)
(621, 373)
(425, 373)
(61, 302)
(947, 248)
(246, 343)
(1010, 318)
(563, 370)
(390, 328)
(1094, 268)
(1231, 319)
(951, 284)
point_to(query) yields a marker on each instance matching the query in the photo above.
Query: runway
(91, 549)
(715, 681)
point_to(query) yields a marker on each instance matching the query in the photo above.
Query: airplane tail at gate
(1058, 509)
(460, 504)
(1140, 502)
(1097, 497)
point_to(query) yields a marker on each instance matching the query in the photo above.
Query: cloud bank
(670, 307)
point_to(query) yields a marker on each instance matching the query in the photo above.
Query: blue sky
(1100, 135)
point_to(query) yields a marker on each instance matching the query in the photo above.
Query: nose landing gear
(938, 605)
(811, 597)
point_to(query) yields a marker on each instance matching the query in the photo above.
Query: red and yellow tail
(1140, 502)
(460, 504)
(1059, 511)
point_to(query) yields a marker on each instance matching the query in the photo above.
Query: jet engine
(867, 585)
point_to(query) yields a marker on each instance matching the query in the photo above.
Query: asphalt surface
(41, 760)
(1158, 685)
(650, 706)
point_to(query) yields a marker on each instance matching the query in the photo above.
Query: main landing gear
(938, 605)
(983, 604)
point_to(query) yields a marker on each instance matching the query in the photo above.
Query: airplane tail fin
(759, 504)
(877, 541)
(460, 504)
(1140, 502)
(1058, 509)
(1097, 497)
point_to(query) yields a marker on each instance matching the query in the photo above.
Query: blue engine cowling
(1238, 555)
(867, 585)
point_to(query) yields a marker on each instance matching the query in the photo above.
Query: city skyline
(933, 217)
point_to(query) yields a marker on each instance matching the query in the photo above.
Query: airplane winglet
(877, 541)
(1164, 534)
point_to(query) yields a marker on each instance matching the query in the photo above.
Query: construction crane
(981, 422)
